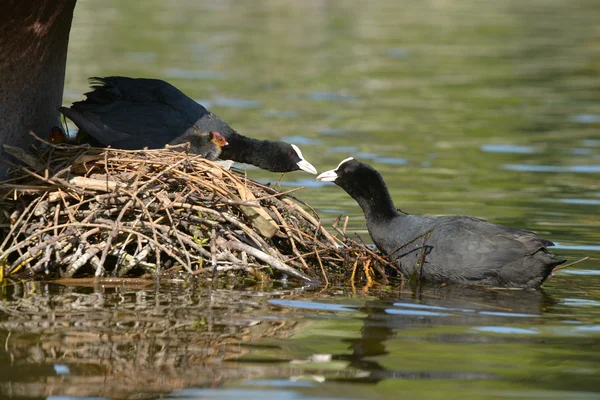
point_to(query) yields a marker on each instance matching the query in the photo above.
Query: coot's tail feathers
(97, 81)
(103, 92)
(550, 263)
(546, 242)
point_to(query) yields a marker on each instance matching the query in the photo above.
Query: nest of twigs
(77, 211)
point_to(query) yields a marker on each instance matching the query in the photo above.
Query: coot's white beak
(306, 166)
(303, 164)
(328, 176)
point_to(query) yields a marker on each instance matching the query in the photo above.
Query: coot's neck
(374, 199)
(250, 151)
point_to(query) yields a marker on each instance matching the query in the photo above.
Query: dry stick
(201, 209)
(321, 265)
(133, 261)
(28, 213)
(308, 254)
(353, 272)
(44, 260)
(56, 215)
(170, 252)
(280, 193)
(338, 230)
(120, 251)
(345, 225)
(128, 205)
(237, 202)
(25, 241)
(366, 249)
(145, 210)
(115, 231)
(273, 262)
(310, 218)
(194, 179)
(186, 239)
(306, 235)
(29, 172)
(67, 246)
(290, 237)
(31, 253)
(92, 254)
(255, 237)
(378, 267)
(569, 265)
(293, 222)
(367, 273)
(213, 255)
(188, 266)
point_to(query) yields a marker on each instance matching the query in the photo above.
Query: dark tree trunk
(34, 35)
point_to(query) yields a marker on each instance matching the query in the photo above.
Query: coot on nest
(133, 113)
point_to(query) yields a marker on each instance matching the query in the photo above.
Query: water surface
(482, 108)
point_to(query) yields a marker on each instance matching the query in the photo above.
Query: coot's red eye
(345, 170)
(290, 154)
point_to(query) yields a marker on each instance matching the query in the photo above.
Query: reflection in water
(444, 306)
(146, 341)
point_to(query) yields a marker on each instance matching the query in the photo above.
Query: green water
(484, 108)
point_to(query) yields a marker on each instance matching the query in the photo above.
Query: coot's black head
(352, 176)
(285, 157)
(364, 184)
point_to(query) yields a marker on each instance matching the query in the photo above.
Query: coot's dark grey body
(133, 113)
(460, 249)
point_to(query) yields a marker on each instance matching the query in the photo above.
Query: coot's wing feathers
(150, 125)
(491, 231)
(522, 234)
(150, 90)
(147, 124)
(475, 247)
(89, 122)
(102, 93)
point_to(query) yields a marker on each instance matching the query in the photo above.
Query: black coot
(133, 113)
(460, 249)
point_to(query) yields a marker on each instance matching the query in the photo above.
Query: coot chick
(206, 144)
(57, 135)
(133, 113)
(460, 249)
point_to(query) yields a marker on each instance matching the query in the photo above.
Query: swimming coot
(460, 249)
(133, 113)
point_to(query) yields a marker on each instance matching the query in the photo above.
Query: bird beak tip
(327, 176)
(306, 166)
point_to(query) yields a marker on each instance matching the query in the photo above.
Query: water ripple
(586, 169)
(506, 148)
